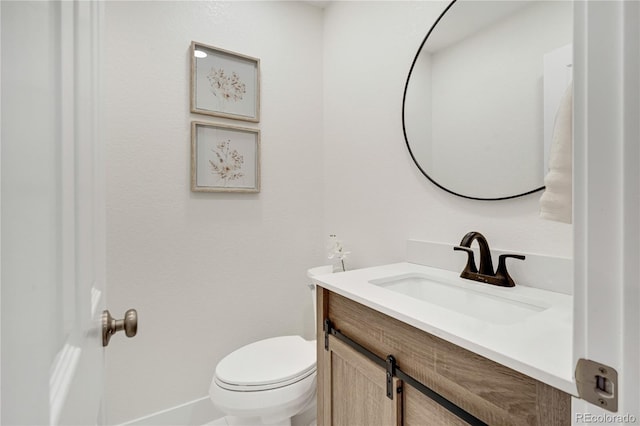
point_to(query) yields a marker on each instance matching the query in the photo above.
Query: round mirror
(482, 93)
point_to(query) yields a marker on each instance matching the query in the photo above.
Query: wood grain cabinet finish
(349, 384)
(358, 390)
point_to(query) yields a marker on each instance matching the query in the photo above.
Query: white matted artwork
(224, 158)
(224, 83)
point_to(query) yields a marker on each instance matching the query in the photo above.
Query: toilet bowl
(269, 381)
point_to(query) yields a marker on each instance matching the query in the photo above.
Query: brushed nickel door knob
(111, 326)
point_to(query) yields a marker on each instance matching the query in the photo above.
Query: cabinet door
(420, 410)
(355, 390)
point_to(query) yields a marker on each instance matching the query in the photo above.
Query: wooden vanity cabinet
(352, 388)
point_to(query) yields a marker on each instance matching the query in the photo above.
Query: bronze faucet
(486, 274)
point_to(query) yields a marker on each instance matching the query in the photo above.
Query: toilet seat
(272, 406)
(267, 364)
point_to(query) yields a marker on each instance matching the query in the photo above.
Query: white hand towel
(556, 201)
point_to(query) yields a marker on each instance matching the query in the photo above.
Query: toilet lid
(268, 363)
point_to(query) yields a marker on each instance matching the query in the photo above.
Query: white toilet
(269, 381)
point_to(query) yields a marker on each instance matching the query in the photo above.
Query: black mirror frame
(404, 130)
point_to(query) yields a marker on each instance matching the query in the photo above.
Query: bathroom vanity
(505, 367)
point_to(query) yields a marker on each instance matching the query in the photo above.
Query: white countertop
(539, 346)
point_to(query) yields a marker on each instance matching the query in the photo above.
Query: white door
(52, 214)
(607, 206)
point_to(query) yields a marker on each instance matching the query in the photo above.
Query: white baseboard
(194, 413)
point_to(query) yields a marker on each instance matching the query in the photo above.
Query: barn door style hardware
(391, 373)
(393, 370)
(598, 384)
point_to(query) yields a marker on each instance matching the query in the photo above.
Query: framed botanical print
(224, 158)
(224, 84)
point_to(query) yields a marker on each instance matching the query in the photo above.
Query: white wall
(206, 272)
(375, 197)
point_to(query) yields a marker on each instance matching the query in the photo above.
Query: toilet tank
(318, 270)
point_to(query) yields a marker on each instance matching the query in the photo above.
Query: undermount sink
(495, 305)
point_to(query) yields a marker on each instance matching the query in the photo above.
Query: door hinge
(597, 383)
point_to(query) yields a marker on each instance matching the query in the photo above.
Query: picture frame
(224, 158)
(224, 83)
